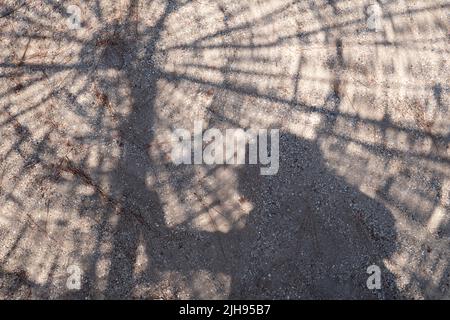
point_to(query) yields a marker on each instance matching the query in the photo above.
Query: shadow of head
(310, 234)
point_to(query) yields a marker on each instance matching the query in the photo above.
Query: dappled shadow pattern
(86, 176)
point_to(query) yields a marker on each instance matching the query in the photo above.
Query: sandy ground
(86, 181)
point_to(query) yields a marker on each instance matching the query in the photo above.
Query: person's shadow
(310, 235)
